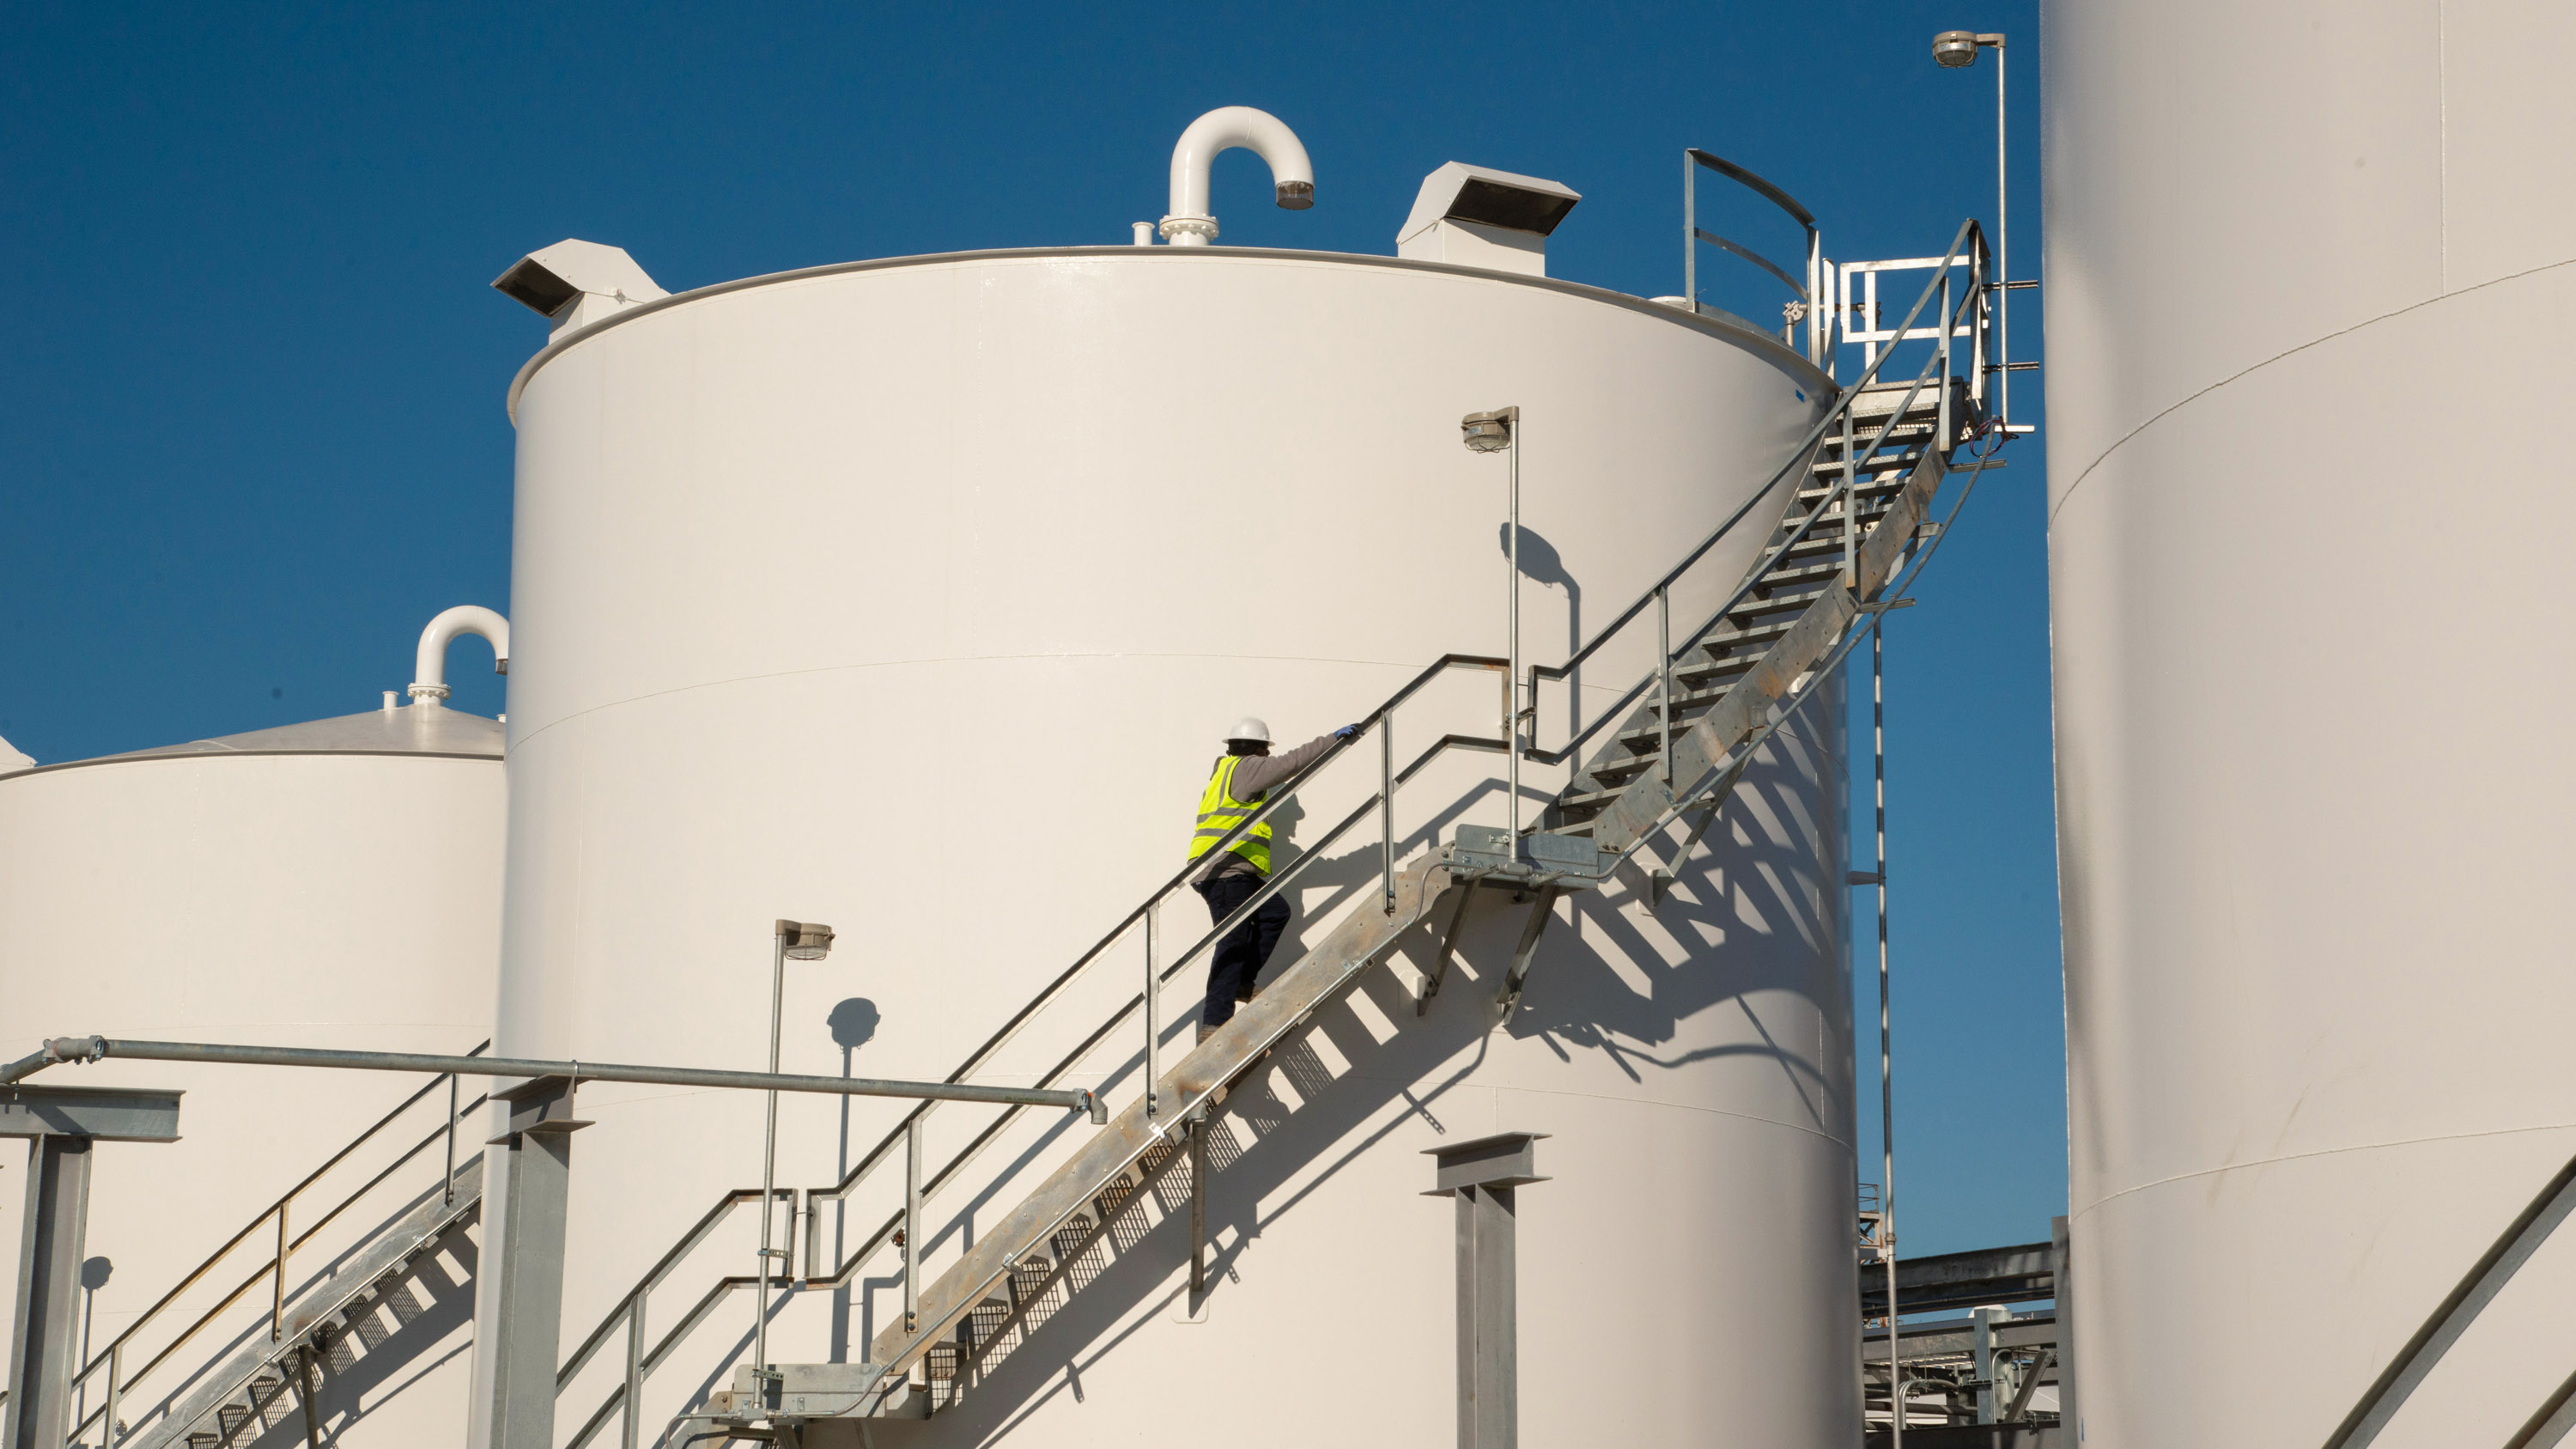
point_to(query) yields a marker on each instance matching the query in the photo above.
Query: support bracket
(1541, 912)
(1466, 889)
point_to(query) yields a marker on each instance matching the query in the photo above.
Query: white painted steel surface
(2311, 287)
(332, 884)
(914, 597)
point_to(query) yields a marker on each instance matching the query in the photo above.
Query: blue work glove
(1345, 732)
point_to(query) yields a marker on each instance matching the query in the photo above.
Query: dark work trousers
(1242, 950)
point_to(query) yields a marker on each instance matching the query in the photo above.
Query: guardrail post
(277, 1279)
(1851, 509)
(912, 1225)
(447, 1188)
(631, 1423)
(107, 1426)
(1949, 323)
(1153, 1012)
(1386, 806)
(1690, 232)
(1664, 678)
(528, 1297)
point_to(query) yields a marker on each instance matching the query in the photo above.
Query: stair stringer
(391, 1259)
(1363, 937)
(1648, 800)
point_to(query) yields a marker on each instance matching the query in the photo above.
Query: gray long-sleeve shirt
(1254, 775)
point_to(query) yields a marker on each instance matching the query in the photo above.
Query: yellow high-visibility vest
(1220, 812)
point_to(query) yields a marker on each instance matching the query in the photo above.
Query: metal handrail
(627, 1312)
(112, 1357)
(1809, 306)
(1971, 237)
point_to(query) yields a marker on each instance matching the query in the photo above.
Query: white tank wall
(316, 900)
(2311, 282)
(913, 598)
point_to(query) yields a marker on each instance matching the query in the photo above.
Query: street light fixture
(1957, 50)
(791, 941)
(1496, 432)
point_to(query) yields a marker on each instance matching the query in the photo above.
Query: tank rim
(1722, 328)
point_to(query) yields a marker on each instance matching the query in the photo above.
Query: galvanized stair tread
(1121, 1159)
(383, 1264)
(1622, 814)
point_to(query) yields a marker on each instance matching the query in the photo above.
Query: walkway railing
(281, 1230)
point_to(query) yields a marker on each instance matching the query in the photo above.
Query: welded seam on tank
(1724, 331)
(926, 660)
(2117, 443)
(2323, 1152)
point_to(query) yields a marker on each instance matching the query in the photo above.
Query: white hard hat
(1249, 728)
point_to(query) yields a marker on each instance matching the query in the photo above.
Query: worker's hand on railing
(1345, 732)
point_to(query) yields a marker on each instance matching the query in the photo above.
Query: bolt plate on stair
(1562, 860)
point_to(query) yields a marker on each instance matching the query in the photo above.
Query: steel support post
(1982, 1355)
(1482, 1176)
(1198, 1208)
(528, 1315)
(306, 1389)
(62, 1124)
(1488, 1320)
(49, 1258)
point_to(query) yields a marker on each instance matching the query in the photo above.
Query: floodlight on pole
(1495, 432)
(789, 941)
(1957, 50)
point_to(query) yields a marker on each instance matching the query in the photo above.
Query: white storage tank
(329, 884)
(2309, 301)
(916, 596)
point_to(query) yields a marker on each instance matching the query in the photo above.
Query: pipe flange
(1176, 227)
(431, 692)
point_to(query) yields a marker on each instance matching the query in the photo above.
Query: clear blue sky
(252, 416)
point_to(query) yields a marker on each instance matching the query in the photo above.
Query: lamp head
(1955, 49)
(1489, 432)
(806, 940)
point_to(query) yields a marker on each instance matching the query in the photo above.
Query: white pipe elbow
(429, 667)
(1223, 129)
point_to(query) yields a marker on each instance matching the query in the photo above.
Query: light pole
(1499, 431)
(789, 941)
(1957, 50)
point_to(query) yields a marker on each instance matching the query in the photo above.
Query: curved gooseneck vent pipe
(429, 668)
(1223, 129)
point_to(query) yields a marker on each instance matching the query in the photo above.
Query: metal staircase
(273, 1369)
(327, 1328)
(1856, 526)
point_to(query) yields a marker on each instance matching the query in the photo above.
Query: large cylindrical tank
(329, 884)
(916, 597)
(2310, 295)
